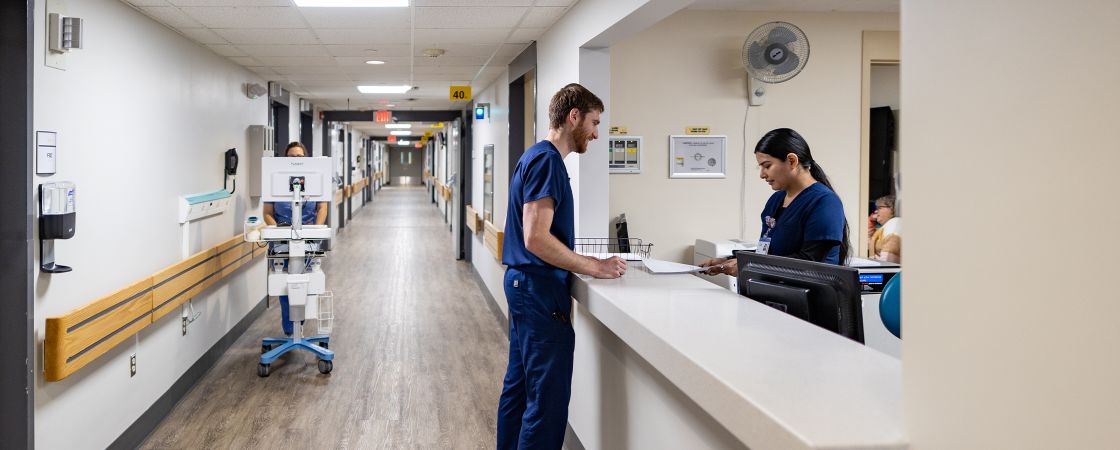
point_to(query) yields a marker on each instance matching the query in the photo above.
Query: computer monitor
(825, 295)
(279, 173)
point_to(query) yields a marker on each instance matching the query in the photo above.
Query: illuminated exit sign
(383, 116)
(392, 139)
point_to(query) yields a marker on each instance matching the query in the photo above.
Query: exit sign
(383, 116)
(392, 139)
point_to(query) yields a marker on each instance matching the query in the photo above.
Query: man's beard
(579, 140)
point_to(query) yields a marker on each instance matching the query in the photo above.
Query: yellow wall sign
(437, 125)
(619, 130)
(427, 134)
(697, 130)
(460, 93)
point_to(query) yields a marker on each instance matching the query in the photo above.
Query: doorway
(880, 53)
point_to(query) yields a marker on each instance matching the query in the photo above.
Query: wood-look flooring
(419, 354)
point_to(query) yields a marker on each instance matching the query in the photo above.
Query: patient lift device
(297, 272)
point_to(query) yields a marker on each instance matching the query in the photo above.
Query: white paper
(659, 266)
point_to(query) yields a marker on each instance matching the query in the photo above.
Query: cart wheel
(324, 344)
(265, 348)
(325, 366)
(262, 370)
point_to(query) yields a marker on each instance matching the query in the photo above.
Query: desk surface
(772, 380)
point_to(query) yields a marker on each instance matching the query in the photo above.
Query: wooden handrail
(80, 336)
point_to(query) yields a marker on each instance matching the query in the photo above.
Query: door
(453, 180)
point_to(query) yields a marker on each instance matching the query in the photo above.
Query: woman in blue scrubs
(804, 219)
(280, 213)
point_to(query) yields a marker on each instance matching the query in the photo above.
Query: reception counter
(672, 361)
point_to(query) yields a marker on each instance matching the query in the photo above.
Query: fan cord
(743, 180)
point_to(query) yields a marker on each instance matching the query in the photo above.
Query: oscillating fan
(773, 53)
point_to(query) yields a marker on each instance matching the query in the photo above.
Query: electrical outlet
(132, 365)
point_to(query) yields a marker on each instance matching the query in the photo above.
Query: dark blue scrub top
(282, 212)
(815, 215)
(539, 173)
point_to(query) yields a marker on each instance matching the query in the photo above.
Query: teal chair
(890, 308)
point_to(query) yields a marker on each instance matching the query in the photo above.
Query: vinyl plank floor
(419, 354)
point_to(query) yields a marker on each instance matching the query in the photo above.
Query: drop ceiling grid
(304, 47)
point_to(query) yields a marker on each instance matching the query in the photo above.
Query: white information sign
(46, 152)
(693, 156)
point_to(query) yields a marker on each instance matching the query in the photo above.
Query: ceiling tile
(382, 51)
(226, 50)
(525, 35)
(264, 71)
(457, 50)
(441, 38)
(468, 17)
(368, 18)
(398, 61)
(472, 2)
(512, 50)
(148, 2)
(245, 61)
(558, 2)
(360, 37)
(449, 70)
(245, 16)
(283, 50)
(320, 77)
(202, 35)
(251, 36)
(321, 60)
(170, 16)
(292, 70)
(230, 2)
(543, 17)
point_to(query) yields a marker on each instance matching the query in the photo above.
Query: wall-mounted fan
(773, 53)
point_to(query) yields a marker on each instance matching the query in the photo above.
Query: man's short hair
(572, 96)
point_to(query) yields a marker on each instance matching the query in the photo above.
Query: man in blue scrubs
(539, 237)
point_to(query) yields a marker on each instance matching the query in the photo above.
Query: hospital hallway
(419, 353)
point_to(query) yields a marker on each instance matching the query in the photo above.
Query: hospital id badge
(763, 246)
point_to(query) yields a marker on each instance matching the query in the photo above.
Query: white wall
(494, 130)
(1008, 344)
(687, 70)
(143, 115)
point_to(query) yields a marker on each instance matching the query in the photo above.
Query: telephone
(231, 161)
(231, 168)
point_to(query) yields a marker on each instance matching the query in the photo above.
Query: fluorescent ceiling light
(351, 3)
(384, 89)
(398, 125)
(375, 62)
(404, 142)
(400, 133)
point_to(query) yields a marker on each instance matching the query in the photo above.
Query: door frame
(879, 48)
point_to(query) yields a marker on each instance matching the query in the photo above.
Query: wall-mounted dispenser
(65, 33)
(57, 217)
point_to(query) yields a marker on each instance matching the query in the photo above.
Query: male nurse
(540, 235)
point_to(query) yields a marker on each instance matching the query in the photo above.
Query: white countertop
(772, 380)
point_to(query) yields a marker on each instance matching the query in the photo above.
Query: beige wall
(689, 67)
(1011, 315)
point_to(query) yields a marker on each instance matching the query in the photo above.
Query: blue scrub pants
(533, 408)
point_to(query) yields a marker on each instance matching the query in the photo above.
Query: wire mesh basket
(326, 313)
(630, 249)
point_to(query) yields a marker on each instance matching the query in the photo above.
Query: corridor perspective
(559, 224)
(420, 361)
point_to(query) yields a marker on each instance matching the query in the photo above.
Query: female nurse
(280, 213)
(804, 218)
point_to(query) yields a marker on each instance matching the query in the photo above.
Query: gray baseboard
(491, 302)
(143, 426)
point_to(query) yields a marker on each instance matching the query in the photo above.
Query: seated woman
(885, 242)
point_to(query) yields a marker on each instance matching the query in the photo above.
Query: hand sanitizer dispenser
(57, 217)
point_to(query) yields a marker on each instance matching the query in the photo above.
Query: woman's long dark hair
(781, 142)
